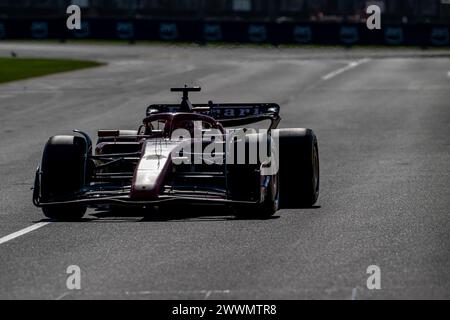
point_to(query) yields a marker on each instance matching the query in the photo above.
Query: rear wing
(229, 114)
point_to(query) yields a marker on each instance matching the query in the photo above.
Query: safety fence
(229, 31)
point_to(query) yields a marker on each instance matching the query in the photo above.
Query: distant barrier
(229, 31)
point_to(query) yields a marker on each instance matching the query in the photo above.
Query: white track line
(448, 74)
(23, 231)
(206, 293)
(350, 66)
(354, 291)
(65, 294)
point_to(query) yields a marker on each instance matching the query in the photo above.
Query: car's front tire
(64, 212)
(245, 179)
(270, 205)
(265, 209)
(63, 174)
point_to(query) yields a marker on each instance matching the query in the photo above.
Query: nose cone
(152, 170)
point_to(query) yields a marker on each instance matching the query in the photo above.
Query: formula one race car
(183, 154)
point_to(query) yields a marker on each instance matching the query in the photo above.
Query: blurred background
(264, 10)
(405, 22)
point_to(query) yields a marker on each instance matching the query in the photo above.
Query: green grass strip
(12, 69)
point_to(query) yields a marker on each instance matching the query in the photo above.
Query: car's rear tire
(63, 174)
(299, 168)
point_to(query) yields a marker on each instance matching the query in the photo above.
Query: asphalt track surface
(383, 122)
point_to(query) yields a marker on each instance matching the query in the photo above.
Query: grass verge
(12, 69)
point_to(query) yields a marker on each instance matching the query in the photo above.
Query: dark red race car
(222, 154)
